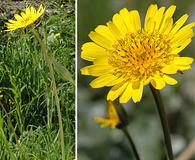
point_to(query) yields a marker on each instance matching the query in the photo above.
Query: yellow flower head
(127, 56)
(112, 117)
(57, 35)
(25, 19)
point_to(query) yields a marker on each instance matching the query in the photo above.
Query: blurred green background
(95, 143)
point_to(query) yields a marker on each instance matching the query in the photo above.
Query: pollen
(140, 55)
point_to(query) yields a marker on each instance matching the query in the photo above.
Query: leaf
(62, 71)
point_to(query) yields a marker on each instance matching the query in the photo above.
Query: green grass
(28, 118)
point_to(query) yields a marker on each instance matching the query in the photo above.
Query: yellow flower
(127, 56)
(57, 35)
(112, 117)
(25, 19)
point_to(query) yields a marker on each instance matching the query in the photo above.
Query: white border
(76, 77)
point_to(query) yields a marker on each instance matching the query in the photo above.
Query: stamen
(140, 55)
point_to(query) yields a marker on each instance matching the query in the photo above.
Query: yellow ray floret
(112, 117)
(127, 56)
(25, 19)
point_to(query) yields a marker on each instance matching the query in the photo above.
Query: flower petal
(102, 81)
(104, 31)
(151, 12)
(183, 34)
(101, 61)
(28, 11)
(12, 21)
(32, 10)
(184, 67)
(91, 51)
(116, 91)
(127, 94)
(119, 23)
(169, 80)
(41, 9)
(167, 26)
(181, 47)
(183, 60)
(115, 31)
(168, 14)
(158, 83)
(126, 18)
(179, 23)
(100, 40)
(115, 82)
(18, 17)
(104, 122)
(150, 26)
(135, 20)
(159, 17)
(137, 93)
(170, 69)
(96, 70)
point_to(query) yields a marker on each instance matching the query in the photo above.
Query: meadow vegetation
(28, 117)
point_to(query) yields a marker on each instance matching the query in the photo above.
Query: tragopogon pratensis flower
(24, 19)
(127, 56)
(112, 117)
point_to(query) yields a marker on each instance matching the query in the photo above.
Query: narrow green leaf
(62, 71)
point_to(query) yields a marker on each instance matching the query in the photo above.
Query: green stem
(17, 96)
(54, 89)
(123, 126)
(133, 147)
(164, 123)
(9, 122)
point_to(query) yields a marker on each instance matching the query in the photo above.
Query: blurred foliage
(144, 124)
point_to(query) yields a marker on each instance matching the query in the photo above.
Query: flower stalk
(164, 123)
(9, 122)
(132, 144)
(54, 89)
(123, 126)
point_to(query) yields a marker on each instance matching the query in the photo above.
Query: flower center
(140, 55)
